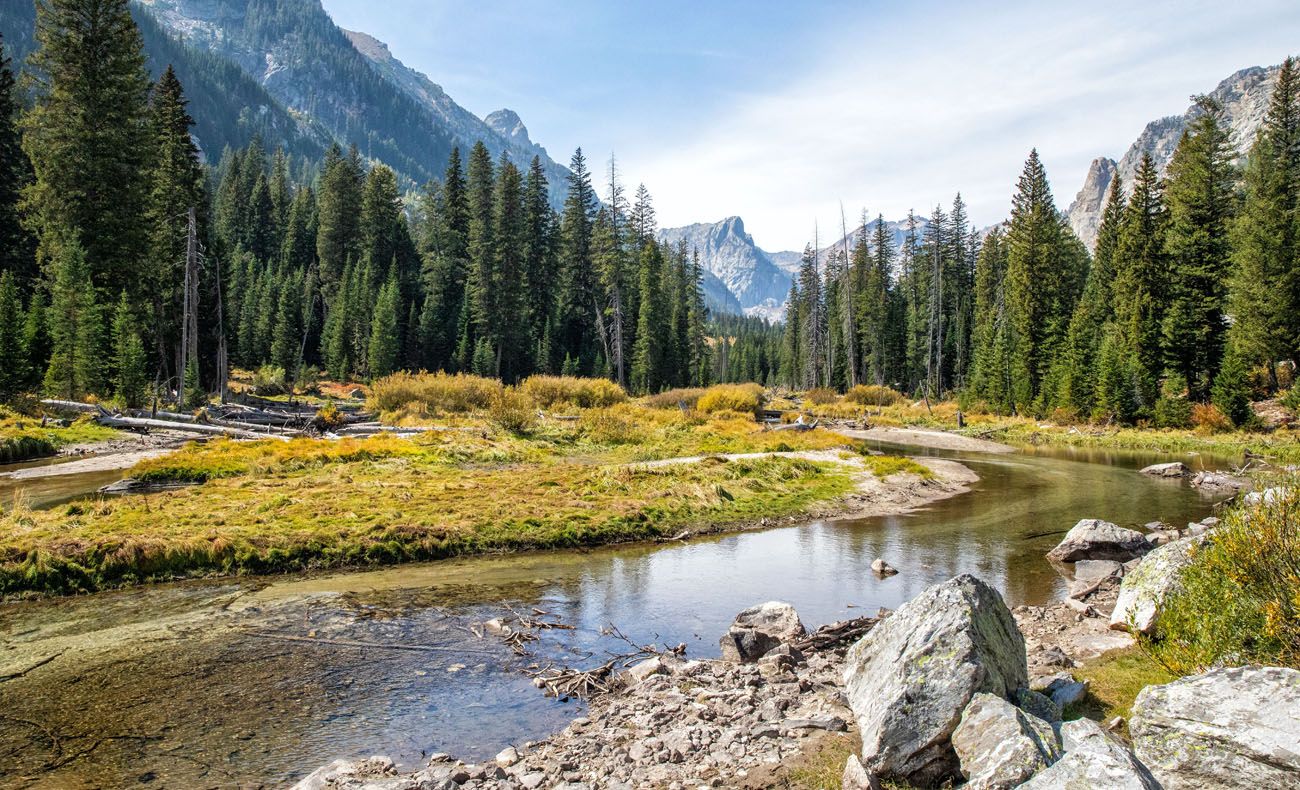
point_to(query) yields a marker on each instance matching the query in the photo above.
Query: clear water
(196, 685)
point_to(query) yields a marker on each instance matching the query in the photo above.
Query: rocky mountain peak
(1085, 212)
(507, 123)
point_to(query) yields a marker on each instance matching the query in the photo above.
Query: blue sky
(780, 111)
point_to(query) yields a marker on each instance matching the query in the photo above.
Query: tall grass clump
(15, 448)
(740, 398)
(675, 398)
(584, 393)
(513, 412)
(1238, 602)
(873, 395)
(820, 396)
(433, 393)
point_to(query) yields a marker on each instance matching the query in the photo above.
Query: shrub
(513, 411)
(1291, 399)
(820, 396)
(674, 398)
(270, 380)
(1238, 602)
(1173, 413)
(610, 426)
(433, 393)
(329, 418)
(872, 395)
(745, 398)
(548, 391)
(1207, 418)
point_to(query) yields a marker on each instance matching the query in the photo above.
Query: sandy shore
(938, 440)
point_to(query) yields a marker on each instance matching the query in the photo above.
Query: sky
(782, 112)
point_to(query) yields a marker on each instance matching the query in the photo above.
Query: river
(254, 682)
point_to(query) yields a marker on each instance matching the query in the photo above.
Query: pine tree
(74, 368)
(36, 339)
(13, 351)
(1231, 390)
(87, 135)
(812, 314)
(16, 253)
(482, 245)
(991, 378)
(508, 323)
(385, 351)
(539, 253)
(286, 336)
(1265, 286)
(1201, 200)
(130, 365)
(577, 300)
(338, 210)
(1141, 283)
(647, 355)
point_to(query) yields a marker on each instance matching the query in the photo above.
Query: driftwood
(212, 430)
(314, 640)
(72, 405)
(836, 636)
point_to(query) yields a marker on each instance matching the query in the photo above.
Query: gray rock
(856, 777)
(1061, 688)
(1036, 703)
(1172, 469)
(1237, 727)
(883, 568)
(1001, 746)
(1266, 497)
(507, 757)
(1094, 570)
(1094, 539)
(758, 629)
(1093, 761)
(640, 671)
(910, 677)
(1143, 591)
(1217, 480)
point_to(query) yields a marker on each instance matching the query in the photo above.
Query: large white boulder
(1173, 469)
(1094, 539)
(758, 629)
(1144, 590)
(910, 678)
(1001, 746)
(1236, 727)
(1093, 761)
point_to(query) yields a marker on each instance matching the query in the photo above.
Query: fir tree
(86, 137)
(13, 350)
(577, 299)
(36, 339)
(16, 254)
(130, 365)
(74, 368)
(385, 351)
(1141, 282)
(1231, 389)
(338, 211)
(647, 355)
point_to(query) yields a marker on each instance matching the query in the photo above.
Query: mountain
(1244, 97)
(283, 70)
(228, 106)
(501, 131)
(739, 273)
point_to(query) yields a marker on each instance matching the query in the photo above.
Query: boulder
(883, 568)
(1038, 704)
(1061, 688)
(856, 777)
(909, 679)
(1143, 591)
(1001, 746)
(758, 629)
(1236, 727)
(1092, 760)
(1266, 497)
(635, 674)
(1094, 539)
(1217, 480)
(1173, 469)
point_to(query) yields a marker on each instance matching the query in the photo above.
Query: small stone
(856, 777)
(1172, 469)
(507, 757)
(883, 568)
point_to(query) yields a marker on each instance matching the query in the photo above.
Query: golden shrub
(744, 398)
(585, 393)
(821, 396)
(433, 393)
(873, 395)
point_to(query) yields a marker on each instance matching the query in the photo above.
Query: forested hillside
(112, 286)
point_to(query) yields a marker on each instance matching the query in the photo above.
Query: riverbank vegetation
(23, 438)
(468, 485)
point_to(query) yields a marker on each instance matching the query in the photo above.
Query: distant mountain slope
(501, 131)
(1244, 97)
(229, 107)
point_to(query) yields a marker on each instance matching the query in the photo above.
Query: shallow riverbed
(254, 682)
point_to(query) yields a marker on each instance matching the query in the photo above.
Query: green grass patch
(24, 438)
(1115, 679)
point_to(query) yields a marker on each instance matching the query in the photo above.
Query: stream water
(253, 683)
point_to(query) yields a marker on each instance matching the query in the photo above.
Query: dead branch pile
(836, 637)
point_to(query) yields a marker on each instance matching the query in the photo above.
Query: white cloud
(905, 116)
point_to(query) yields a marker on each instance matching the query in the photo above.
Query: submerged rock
(1001, 746)
(1092, 760)
(1094, 539)
(883, 568)
(910, 678)
(758, 630)
(1237, 727)
(1144, 590)
(1172, 469)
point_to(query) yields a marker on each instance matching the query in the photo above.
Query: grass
(273, 506)
(1115, 678)
(23, 438)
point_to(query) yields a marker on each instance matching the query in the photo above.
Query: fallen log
(262, 430)
(113, 421)
(72, 405)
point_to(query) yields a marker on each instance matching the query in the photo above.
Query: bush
(1291, 399)
(744, 398)
(548, 391)
(433, 393)
(820, 396)
(1173, 413)
(1239, 600)
(610, 426)
(513, 411)
(270, 380)
(1207, 418)
(872, 395)
(674, 398)
(329, 418)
